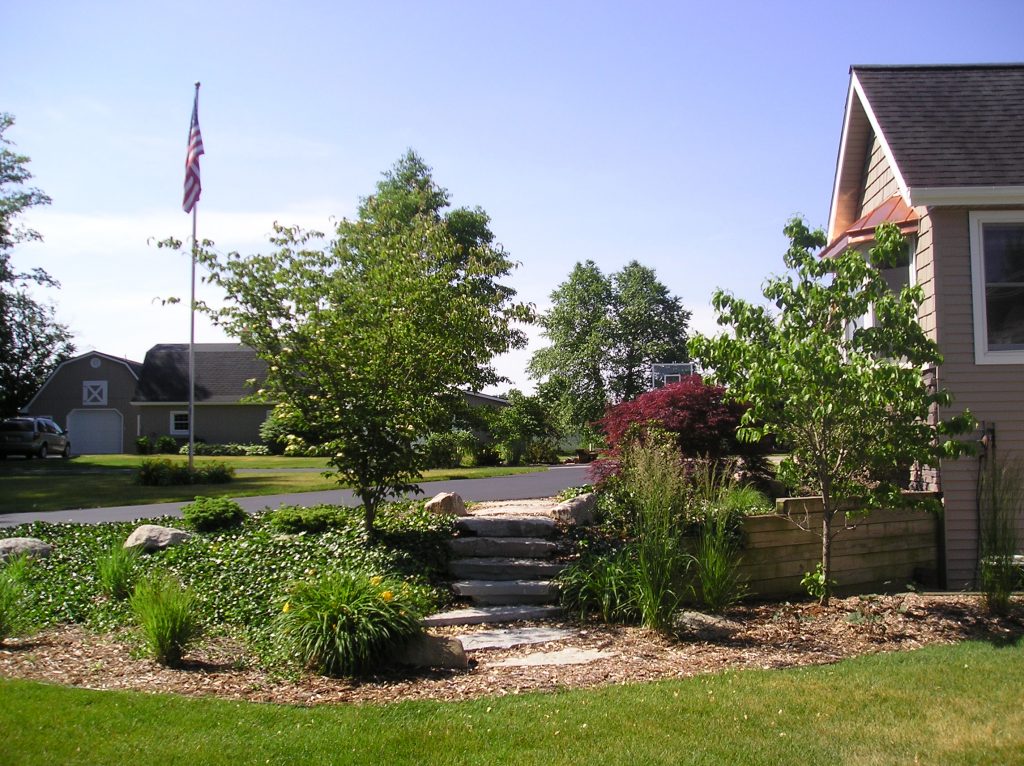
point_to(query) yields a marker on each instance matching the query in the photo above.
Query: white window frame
(870, 319)
(982, 353)
(177, 431)
(94, 393)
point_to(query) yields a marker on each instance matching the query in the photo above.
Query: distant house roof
(221, 369)
(953, 135)
(135, 368)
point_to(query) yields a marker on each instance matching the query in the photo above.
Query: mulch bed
(770, 636)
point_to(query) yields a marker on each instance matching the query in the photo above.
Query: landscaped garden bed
(770, 635)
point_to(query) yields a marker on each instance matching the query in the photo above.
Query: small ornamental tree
(369, 338)
(852, 405)
(697, 415)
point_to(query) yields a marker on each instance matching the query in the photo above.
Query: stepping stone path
(503, 564)
(511, 637)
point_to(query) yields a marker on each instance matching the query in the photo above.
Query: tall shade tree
(32, 342)
(851, 402)
(604, 334)
(648, 326)
(369, 338)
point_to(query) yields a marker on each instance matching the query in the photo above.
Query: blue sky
(682, 135)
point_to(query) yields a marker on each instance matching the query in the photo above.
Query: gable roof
(953, 135)
(222, 371)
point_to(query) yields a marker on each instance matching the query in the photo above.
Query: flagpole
(192, 338)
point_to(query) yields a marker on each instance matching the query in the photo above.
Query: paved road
(518, 487)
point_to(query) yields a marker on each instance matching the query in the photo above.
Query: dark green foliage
(32, 341)
(524, 430)
(296, 519)
(343, 623)
(116, 572)
(447, 449)
(167, 615)
(168, 473)
(226, 450)
(238, 576)
(485, 456)
(212, 514)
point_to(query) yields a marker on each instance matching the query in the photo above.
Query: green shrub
(211, 514)
(572, 492)
(541, 453)
(144, 445)
(117, 571)
(606, 585)
(163, 472)
(166, 445)
(226, 450)
(295, 519)
(166, 612)
(446, 450)
(485, 456)
(344, 623)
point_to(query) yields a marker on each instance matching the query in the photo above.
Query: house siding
(215, 424)
(63, 393)
(879, 180)
(994, 393)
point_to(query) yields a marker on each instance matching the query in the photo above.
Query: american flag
(195, 148)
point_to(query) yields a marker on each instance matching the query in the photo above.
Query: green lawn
(98, 481)
(942, 705)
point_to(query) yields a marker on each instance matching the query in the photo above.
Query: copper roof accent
(893, 210)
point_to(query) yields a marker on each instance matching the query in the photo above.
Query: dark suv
(33, 437)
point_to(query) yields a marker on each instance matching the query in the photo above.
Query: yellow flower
(387, 595)
(287, 606)
(376, 580)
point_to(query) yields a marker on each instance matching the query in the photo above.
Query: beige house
(939, 151)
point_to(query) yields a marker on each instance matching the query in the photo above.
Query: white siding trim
(982, 354)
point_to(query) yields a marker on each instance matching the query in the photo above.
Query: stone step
(496, 568)
(500, 592)
(510, 547)
(495, 526)
(491, 615)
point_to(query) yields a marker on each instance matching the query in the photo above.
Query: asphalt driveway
(517, 487)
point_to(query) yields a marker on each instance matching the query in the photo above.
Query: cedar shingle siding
(951, 130)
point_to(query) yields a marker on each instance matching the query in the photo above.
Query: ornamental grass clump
(606, 585)
(14, 598)
(168, 616)
(117, 571)
(1001, 499)
(653, 476)
(344, 623)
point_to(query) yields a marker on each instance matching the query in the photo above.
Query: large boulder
(578, 511)
(151, 537)
(447, 504)
(428, 651)
(703, 627)
(11, 547)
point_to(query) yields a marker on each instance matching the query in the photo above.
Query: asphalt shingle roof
(950, 126)
(222, 370)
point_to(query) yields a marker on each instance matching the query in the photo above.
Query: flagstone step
(493, 526)
(499, 592)
(503, 568)
(491, 615)
(508, 547)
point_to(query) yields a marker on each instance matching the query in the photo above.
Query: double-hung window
(997, 275)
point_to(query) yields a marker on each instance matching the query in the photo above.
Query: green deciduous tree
(604, 333)
(526, 422)
(32, 342)
(853, 405)
(370, 337)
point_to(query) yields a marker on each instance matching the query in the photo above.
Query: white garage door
(95, 432)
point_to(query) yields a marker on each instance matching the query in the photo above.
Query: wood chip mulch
(770, 636)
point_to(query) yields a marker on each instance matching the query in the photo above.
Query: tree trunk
(826, 555)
